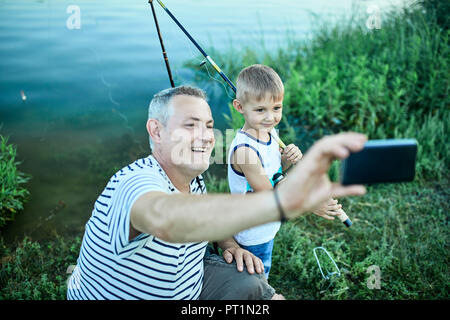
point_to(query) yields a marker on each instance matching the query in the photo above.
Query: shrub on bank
(37, 271)
(13, 193)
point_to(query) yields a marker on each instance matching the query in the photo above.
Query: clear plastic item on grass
(330, 275)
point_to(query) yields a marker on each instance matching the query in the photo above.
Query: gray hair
(159, 106)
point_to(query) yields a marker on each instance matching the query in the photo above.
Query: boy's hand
(328, 209)
(290, 155)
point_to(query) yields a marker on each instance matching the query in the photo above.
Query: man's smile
(199, 149)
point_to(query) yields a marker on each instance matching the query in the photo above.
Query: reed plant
(13, 192)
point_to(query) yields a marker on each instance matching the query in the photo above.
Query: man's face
(188, 138)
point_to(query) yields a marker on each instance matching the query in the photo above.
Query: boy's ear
(154, 130)
(237, 105)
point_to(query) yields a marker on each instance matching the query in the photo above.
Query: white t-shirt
(270, 157)
(112, 267)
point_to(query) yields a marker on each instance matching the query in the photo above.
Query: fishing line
(116, 110)
(226, 89)
(210, 60)
(200, 63)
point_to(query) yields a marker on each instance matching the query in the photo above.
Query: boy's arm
(251, 167)
(246, 161)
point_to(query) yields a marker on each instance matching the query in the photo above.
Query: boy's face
(261, 115)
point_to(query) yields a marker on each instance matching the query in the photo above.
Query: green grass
(387, 83)
(13, 193)
(401, 228)
(37, 271)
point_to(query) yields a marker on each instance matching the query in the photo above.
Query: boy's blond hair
(256, 81)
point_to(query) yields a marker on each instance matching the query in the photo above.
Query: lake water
(87, 90)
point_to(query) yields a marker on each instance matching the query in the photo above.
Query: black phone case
(381, 161)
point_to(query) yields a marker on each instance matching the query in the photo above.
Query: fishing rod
(211, 61)
(208, 58)
(166, 60)
(343, 216)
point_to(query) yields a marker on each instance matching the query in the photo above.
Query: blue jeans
(264, 252)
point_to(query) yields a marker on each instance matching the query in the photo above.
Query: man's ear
(154, 130)
(237, 105)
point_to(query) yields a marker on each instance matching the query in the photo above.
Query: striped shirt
(112, 267)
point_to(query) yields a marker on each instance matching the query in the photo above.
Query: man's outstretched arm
(184, 218)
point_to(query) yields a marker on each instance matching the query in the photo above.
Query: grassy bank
(387, 83)
(37, 270)
(400, 228)
(13, 193)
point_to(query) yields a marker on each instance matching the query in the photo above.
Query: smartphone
(381, 161)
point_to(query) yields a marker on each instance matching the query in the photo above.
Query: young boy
(255, 160)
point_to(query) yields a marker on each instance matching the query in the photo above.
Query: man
(147, 236)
